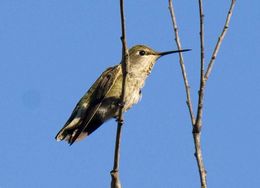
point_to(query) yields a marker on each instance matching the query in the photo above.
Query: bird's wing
(85, 101)
(90, 103)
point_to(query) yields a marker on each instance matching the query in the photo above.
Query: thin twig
(198, 124)
(115, 182)
(202, 62)
(183, 69)
(220, 39)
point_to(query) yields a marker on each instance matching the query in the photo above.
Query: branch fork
(197, 122)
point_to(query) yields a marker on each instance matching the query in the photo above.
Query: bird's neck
(138, 76)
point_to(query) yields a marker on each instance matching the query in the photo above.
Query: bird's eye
(142, 53)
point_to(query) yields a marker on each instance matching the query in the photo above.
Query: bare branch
(115, 182)
(202, 62)
(203, 79)
(183, 69)
(198, 124)
(199, 159)
(220, 39)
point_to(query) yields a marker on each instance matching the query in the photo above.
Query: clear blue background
(51, 53)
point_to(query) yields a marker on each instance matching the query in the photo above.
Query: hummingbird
(102, 101)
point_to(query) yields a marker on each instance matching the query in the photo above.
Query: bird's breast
(133, 90)
(134, 84)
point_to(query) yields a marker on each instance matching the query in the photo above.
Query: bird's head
(142, 58)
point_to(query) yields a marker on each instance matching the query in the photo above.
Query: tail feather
(62, 134)
(68, 133)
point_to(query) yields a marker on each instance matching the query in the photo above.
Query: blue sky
(51, 53)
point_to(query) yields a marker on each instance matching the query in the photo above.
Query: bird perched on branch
(101, 102)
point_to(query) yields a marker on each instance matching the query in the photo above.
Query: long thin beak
(171, 52)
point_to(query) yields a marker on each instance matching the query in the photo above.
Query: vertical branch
(198, 124)
(220, 39)
(115, 182)
(183, 69)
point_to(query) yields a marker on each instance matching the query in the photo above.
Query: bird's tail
(70, 133)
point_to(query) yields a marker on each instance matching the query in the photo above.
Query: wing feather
(88, 106)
